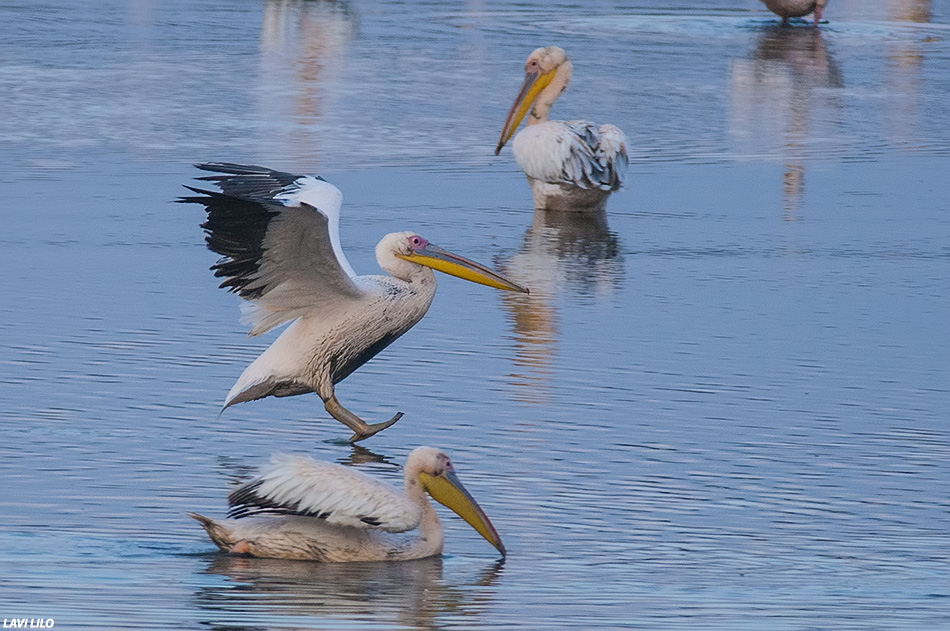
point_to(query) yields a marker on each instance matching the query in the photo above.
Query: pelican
(570, 165)
(301, 508)
(796, 8)
(278, 235)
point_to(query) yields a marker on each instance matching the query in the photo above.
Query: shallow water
(724, 404)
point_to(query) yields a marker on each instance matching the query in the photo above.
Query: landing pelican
(301, 508)
(796, 8)
(570, 165)
(278, 235)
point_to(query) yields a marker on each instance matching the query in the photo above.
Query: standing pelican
(301, 508)
(570, 165)
(796, 8)
(278, 235)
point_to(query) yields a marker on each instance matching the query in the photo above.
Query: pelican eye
(417, 243)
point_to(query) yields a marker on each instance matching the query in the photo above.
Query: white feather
(346, 496)
(303, 267)
(329, 200)
(572, 152)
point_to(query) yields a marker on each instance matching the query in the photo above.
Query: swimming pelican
(301, 508)
(796, 8)
(570, 165)
(279, 238)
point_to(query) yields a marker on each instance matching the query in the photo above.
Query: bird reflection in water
(777, 94)
(563, 252)
(903, 73)
(302, 44)
(412, 594)
(361, 455)
(919, 11)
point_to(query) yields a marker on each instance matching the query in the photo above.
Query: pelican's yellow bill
(534, 82)
(444, 261)
(448, 491)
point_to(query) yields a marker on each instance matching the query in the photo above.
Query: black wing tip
(245, 492)
(249, 182)
(202, 197)
(233, 168)
(245, 501)
(229, 170)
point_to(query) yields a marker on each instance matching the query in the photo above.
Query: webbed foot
(373, 428)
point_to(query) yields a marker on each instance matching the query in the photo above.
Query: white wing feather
(328, 198)
(337, 494)
(302, 269)
(573, 152)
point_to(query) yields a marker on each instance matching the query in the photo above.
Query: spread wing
(573, 152)
(299, 485)
(278, 235)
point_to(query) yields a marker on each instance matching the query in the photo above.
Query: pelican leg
(361, 429)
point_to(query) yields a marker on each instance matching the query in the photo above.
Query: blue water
(723, 406)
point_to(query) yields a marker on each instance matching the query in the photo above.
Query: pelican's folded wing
(279, 239)
(573, 152)
(596, 157)
(299, 485)
(612, 155)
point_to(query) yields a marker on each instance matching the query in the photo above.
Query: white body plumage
(317, 351)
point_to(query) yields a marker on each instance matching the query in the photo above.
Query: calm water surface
(724, 405)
